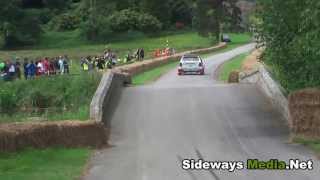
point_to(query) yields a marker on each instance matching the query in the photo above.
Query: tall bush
(65, 22)
(127, 19)
(8, 101)
(96, 28)
(70, 92)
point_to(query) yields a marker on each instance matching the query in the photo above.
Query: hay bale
(14, 137)
(234, 77)
(304, 107)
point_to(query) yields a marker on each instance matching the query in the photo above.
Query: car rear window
(191, 59)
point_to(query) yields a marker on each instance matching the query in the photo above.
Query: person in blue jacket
(25, 68)
(31, 67)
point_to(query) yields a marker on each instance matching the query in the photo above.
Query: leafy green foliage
(16, 25)
(96, 28)
(181, 11)
(65, 22)
(44, 15)
(157, 8)
(57, 4)
(148, 23)
(126, 20)
(290, 30)
(7, 101)
(214, 15)
(22, 21)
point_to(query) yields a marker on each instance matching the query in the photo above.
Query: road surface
(155, 126)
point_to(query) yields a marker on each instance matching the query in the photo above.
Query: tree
(57, 4)
(180, 11)
(208, 17)
(18, 26)
(157, 8)
(290, 30)
(211, 15)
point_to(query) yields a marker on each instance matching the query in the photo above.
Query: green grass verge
(312, 144)
(232, 65)
(48, 98)
(49, 164)
(154, 74)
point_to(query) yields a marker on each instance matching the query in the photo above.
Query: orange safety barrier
(162, 52)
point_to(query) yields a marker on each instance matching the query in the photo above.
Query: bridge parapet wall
(270, 87)
(301, 109)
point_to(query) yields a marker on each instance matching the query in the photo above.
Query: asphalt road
(155, 126)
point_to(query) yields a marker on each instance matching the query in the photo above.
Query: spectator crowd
(108, 60)
(14, 69)
(30, 69)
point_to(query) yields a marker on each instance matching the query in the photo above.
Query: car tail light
(180, 64)
(200, 64)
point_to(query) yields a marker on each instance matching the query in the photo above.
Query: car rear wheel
(180, 72)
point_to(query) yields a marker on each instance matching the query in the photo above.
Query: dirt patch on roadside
(252, 61)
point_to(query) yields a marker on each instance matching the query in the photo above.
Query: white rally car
(191, 64)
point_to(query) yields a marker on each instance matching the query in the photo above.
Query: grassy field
(59, 43)
(232, 65)
(49, 164)
(152, 75)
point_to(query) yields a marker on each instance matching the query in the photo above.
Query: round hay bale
(234, 77)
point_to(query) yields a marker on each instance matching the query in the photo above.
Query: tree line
(290, 31)
(23, 21)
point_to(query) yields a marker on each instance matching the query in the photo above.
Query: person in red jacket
(46, 66)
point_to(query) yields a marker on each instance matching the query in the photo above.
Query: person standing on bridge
(25, 68)
(31, 67)
(66, 64)
(61, 65)
(140, 54)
